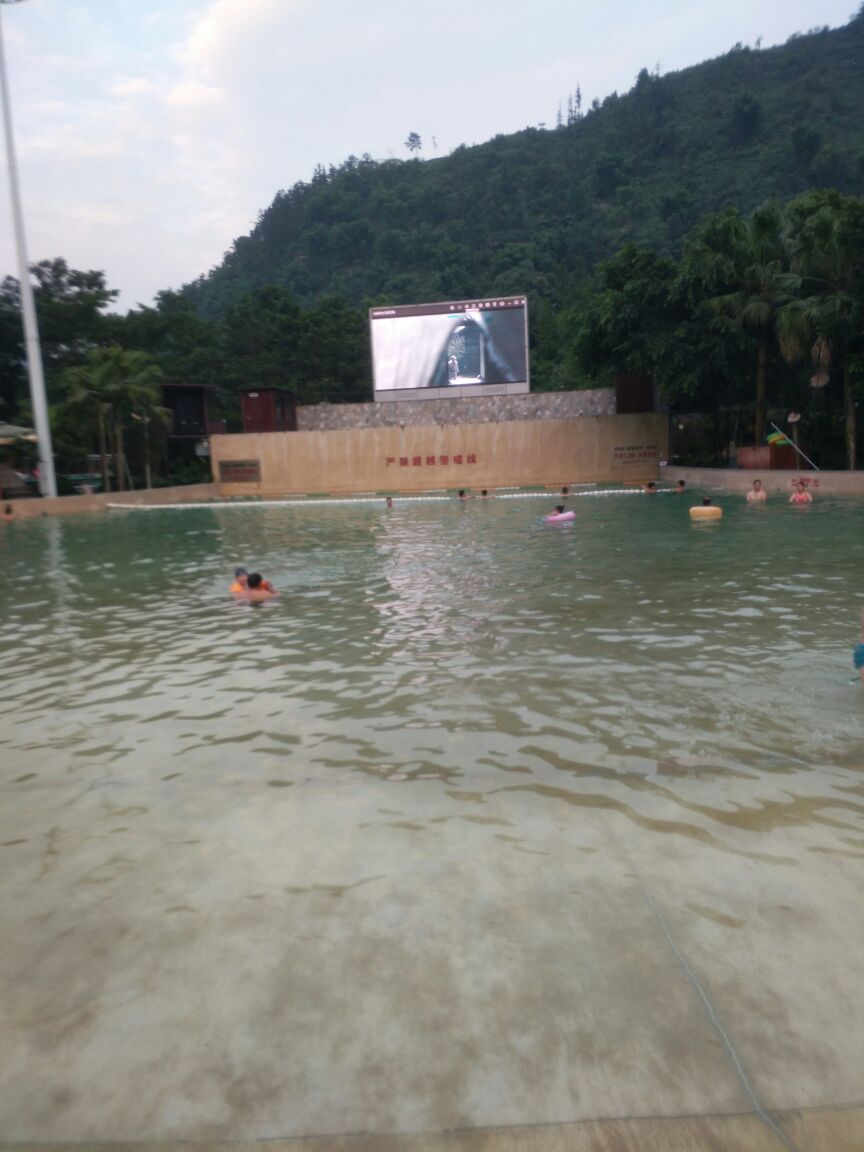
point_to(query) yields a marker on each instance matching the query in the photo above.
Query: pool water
(437, 639)
(443, 698)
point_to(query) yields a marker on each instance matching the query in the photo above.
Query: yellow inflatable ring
(706, 512)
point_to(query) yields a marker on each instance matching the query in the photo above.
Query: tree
(627, 327)
(12, 375)
(746, 114)
(183, 344)
(114, 383)
(827, 241)
(742, 266)
(70, 306)
(260, 338)
(413, 143)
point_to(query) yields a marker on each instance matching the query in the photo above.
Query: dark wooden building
(188, 433)
(268, 410)
(633, 393)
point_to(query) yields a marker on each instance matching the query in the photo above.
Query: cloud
(133, 87)
(213, 40)
(192, 94)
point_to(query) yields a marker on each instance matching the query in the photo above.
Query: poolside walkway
(335, 967)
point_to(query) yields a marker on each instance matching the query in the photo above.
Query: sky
(151, 133)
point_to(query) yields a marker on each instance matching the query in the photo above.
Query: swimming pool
(439, 837)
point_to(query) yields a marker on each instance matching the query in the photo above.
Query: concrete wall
(473, 410)
(72, 505)
(414, 459)
(740, 479)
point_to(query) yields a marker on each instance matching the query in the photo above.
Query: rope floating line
(322, 501)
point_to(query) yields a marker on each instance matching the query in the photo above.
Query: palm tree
(115, 383)
(146, 414)
(827, 238)
(743, 265)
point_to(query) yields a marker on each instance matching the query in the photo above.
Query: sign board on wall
(633, 455)
(240, 471)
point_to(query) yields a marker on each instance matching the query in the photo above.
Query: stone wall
(776, 480)
(466, 410)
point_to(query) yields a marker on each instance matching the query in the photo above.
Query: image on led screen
(449, 345)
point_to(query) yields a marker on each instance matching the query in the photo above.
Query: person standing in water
(757, 493)
(800, 495)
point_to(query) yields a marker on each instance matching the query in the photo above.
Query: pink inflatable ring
(560, 517)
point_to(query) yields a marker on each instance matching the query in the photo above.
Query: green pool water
(446, 835)
(437, 640)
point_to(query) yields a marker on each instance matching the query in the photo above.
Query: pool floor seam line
(388, 1134)
(760, 1111)
(366, 1134)
(422, 1133)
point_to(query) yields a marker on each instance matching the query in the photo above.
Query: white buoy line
(322, 501)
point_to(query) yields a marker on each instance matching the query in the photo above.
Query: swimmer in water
(560, 513)
(800, 495)
(389, 501)
(462, 495)
(680, 486)
(8, 514)
(757, 493)
(241, 583)
(858, 653)
(650, 488)
(256, 592)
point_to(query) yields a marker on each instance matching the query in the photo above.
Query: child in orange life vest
(241, 583)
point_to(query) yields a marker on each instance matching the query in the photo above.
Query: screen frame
(383, 313)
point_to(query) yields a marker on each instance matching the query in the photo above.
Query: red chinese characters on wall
(634, 453)
(429, 461)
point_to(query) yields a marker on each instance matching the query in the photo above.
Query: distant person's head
(254, 581)
(800, 485)
(241, 575)
(389, 501)
(681, 484)
(7, 511)
(706, 500)
(461, 493)
(651, 486)
(484, 492)
(559, 508)
(564, 490)
(757, 485)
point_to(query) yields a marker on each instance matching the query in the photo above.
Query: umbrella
(9, 433)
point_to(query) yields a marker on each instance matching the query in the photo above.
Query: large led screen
(461, 346)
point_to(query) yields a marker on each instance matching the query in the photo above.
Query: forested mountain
(537, 210)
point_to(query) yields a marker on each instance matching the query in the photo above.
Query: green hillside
(536, 211)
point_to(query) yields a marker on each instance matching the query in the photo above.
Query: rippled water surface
(696, 679)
